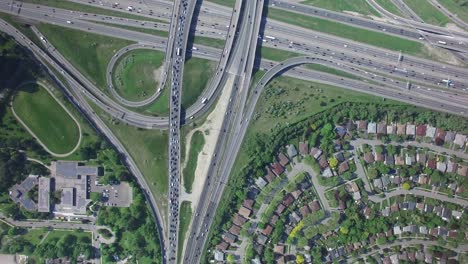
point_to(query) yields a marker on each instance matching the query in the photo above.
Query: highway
(382, 73)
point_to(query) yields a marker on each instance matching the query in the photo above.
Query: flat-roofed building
(44, 195)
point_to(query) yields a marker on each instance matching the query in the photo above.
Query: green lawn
(281, 55)
(359, 6)
(457, 7)
(34, 236)
(197, 73)
(136, 73)
(185, 216)
(160, 106)
(288, 100)
(138, 29)
(46, 118)
(229, 3)
(427, 12)
(90, 9)
(390, 7)
(88, 52)
(210, 42)
(148, 149)
(196, 145)
(277, 54)
(357, 34)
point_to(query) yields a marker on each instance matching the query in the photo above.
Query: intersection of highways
(380, 72)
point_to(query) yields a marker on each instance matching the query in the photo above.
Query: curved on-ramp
(111, 66)
(35, 136)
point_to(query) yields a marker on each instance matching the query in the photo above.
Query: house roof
(277, 168)
(267, 230)
(441, 166)
(245, 212)
(323, 162)
(229, 238)
(238, 219)
(315, 152)
(460, 140)
(352, 187)
(379, 157)
(410, 129)
(372, 128)
(432, 163)
(449, 137)
(248, 203)
(260, 182)
(399, 160)
(282, 159)
(288, 200)
(278, 249)
(304, 148)
(430, 131)
(362, 124)
(421, 130)
(222, 246)
(270, 176)
(339, 156)
(462, 170)
(344, 166)
(391, 129)
(304, 210)
(401, 129)
(235, 230)
(340, 131)
(280, 209)
(382, 128)
(291, 150)
(314, 206)
(369, 157)
(389, 160)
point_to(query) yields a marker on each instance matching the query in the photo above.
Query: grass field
(160, 106)
(90, 9)
(196, 145)
(148, 149)
(277, 54)
(281, 55)
(136, 73)
(345, 31)
(390, 7)
(358, 6)
(197, 73)
(210, 42)
(427, 12)
(229, 3)
(88, 52)
(185, 216)
(138, 29)
(46, 118)
(457, 7)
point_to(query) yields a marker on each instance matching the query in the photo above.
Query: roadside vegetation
(196, 145)
(160, 106)
(46, 118)
(40, 244)
(148, 149)
(210, 42)
(90, 9)
(137, 29)
(229, 3)
(358, 6)
(197, 73)
(136, 74)
(390, 7)
(427, 12)
(458, 7)
(88, 52)
(185, 216)
(353, 33)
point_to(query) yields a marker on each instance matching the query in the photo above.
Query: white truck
(204, 100)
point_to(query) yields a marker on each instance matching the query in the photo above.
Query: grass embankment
(185, 216)
(137, 29)
(46, 118)
(136, 74)
(281, 55)
(88, 52)
(148, 149)
(197, 73)
(90, 9)
(229, 3)
(390, 7)
(196, 145)
(353, 33)
(427, 12)
(210, 42)
(160, 106)
(358, 6)
(457, 7)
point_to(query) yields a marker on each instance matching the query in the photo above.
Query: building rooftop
(44, 195)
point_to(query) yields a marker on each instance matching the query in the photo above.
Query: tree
(406, 186)
(299, 259)
(333, 162)
(372, 173)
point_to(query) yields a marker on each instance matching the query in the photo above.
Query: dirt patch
(157, 74)
(442, 55)
(212, 125)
